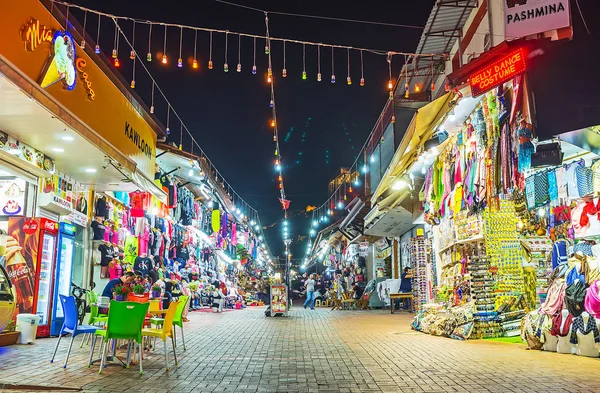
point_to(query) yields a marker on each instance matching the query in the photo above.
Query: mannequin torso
(563, 345)
(586, 345)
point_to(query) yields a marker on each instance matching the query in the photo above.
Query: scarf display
(575, 297)
(216, 220)
(580, 326)
(557, 322)
(592, 300)
(234, 234)
(555, 298)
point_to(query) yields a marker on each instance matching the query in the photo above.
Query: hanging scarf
(580, 326)
(216, 220)
(224, 225)
(234, 234)
(589, 209)
(557, 322)
(592, 300)
(554, 298)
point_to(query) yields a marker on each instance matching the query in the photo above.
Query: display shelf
(458, 242)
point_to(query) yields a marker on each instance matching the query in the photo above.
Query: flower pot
(119, 298)
(155, 294)
(9, 338)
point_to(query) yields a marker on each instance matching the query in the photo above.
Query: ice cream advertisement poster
(61, 63)
(25, 152)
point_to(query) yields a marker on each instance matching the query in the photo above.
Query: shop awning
(422, 127)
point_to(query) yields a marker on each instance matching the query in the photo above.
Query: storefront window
(18, 192)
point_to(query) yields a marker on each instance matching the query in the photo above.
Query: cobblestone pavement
(311, 351)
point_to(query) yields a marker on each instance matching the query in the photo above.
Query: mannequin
(551, 342)
(586, 346)
(563, 345)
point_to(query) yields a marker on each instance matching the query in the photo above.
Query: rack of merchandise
(418, 258)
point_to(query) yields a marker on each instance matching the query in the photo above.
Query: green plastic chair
(125, 322)
(95, 316)
(177, 321)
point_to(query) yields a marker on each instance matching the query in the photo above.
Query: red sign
(30, 226)
(498, 72)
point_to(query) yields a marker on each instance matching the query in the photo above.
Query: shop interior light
(191, 172)
(364, 169)
(312, 231)
(399, 185)
(340, 205)
(91, 170)
(252, 222)
(58, 150)
(356, 182)
(256, 227)
(315, 223)
(372, 159)
(285, 223)
(67, 138)
(15, 151)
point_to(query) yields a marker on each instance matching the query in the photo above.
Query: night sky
(322, 125)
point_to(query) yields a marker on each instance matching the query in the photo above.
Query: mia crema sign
(527, 17)
(40, 48)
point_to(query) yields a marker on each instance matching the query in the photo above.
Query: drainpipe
(490, 24)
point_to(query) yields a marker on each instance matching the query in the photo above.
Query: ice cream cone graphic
(61, 64)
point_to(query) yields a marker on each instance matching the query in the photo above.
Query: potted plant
(9, 336)
(121, 292)
(138, 289)
(156, 291)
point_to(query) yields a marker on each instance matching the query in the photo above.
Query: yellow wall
(107, 114)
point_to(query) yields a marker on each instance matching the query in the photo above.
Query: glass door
(45, 278)
(63, 281)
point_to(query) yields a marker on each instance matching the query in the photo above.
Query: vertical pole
(395, 258)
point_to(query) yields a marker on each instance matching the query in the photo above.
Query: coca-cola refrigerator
(30, 261)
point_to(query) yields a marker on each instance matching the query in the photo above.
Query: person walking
(310, 292)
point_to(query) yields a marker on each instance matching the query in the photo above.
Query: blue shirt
(108, 289)
(405, 284)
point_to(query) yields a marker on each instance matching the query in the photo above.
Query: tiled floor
(312, 351)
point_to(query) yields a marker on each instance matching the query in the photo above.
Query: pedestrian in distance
(310, 292)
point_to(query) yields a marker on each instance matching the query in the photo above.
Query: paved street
(312, 351)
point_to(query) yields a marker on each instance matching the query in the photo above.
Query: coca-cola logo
(30, 226)
(49, 225)
(22, 270)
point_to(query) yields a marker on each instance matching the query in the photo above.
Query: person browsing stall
(125, 279)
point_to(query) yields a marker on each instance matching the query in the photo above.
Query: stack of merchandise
(481, 288)
(432, 270)
(418, 258)
(453, 322)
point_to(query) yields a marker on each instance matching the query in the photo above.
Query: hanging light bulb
(393, 118)
(82, 44)
(195, 64)
(432, 86)
(226, 67)
(152, 109)
(303, 75)
(117, 63)
(114, 53)
(210, 65)
(180, 62)
(276, 152)
(97, 49)
(148, 56)
(269, 79)
(274, 137)
(349, 80)
(319, 77)
(332, 78)
(417, 88)
(132, 55)
(239, 67)
(406, 90)
(254, 70)
(273, 123)
(350, 189)
(164, 59)
(168, 130)
(266, 49)
(284, 73)
(362, 81)
(390, 84)
(271, 103)
(132, 84)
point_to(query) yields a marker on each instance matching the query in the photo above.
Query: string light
(180, 60)
(210, 62)
(304, 62)
(254, 64)
(432, 76)
(348, 79)
(225, 65)
(97, 48)
(132, 52)
(239, 64)
(83, 31)
(266, 46)
(195, 61)
(152, 102)
(319, 63)
(132, 84)
(332, 67)
(406, 87)
(284, 71)
(417, 88)
(168, 131)
(362, 74)
(114, 51)
(149, 54)
(164, 56)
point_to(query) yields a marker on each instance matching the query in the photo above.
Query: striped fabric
(585, 180)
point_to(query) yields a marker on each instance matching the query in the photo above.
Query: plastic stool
(318, 303)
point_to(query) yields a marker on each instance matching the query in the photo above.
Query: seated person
(125, 279)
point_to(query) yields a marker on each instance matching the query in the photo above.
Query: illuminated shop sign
(498, 72)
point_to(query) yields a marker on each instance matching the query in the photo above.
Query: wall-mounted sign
(25, 152)
(12, 196)
(498, 72)
(34, 34)
(60, 66)
(527, 17)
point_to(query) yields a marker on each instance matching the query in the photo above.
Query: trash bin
(27, 324)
